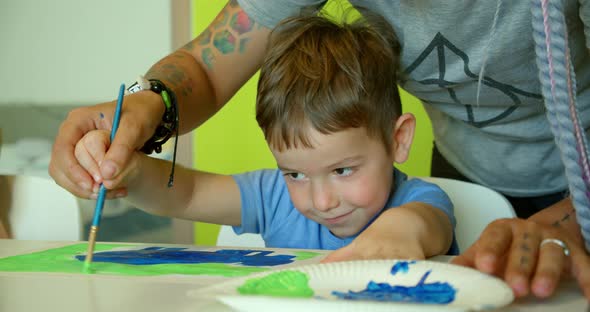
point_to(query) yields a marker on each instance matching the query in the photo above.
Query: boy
(332, 118)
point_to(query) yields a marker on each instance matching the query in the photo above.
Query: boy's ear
(403, 136)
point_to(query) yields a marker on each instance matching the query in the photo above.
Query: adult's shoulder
(270, 13)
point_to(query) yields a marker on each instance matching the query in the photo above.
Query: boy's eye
(343, 171)
(296, 175)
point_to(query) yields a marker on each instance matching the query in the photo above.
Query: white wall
(56, 54)
(78, 52)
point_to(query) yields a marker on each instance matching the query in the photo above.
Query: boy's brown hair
(329, 76)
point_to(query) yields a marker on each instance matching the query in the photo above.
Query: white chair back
(42, 210)
(227, 237)
(475, 207)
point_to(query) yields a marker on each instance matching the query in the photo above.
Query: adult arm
(204, 75)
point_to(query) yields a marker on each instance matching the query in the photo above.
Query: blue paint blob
(429, 293)
(401, 266)
(162, 255)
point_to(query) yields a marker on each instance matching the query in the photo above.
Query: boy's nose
(324, 197)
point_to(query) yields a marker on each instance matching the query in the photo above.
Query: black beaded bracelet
(169, 123)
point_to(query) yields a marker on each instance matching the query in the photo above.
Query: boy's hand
(411, 231)
(379, 241)
(141, 114)
(363, 248)
(90, 151)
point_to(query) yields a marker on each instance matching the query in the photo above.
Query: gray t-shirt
(504, 141)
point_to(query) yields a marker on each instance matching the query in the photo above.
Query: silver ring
(560, 243)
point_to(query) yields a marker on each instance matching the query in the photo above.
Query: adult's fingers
(523, 256)
(138, 123)
(580, 264)
(550, 266)
(63, 166)
(75, 179)
(487, 253)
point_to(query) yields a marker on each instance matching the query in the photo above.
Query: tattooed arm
(204, 75)
(208, 71)
(510, 248)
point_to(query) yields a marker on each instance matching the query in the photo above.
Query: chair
(42, 210)
(475, 207)
(227, 237)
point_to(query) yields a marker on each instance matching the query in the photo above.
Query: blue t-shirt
(268, 210)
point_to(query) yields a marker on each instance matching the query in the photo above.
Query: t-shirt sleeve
(261, 192)
(270, 12)
(416, 190)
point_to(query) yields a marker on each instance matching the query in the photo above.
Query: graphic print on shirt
(442, 50)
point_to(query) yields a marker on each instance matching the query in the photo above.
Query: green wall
(231, 141)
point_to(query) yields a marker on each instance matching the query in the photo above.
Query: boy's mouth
(339, 219)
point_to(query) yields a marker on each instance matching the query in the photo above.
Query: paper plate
(368, 285)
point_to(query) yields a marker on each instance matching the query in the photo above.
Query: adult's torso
(503, 140)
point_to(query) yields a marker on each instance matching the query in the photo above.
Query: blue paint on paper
(431, 293)
(162, 255)
(401, 266)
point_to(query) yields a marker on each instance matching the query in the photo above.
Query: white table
(80, 292)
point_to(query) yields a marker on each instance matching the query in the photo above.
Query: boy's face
(343, 182)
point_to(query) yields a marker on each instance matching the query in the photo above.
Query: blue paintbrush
(102, 192)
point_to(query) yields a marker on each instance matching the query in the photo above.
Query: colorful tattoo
(189, 46)
(228, 33)
(205, 37)
(230, 28)
(241, 23)
(243, 43)
(208, 57)
(220, 20)
(225, 42)
(173, 76)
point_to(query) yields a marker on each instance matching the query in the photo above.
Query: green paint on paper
(281, 284)
(88, 268)
(62, 260)
(304, 255)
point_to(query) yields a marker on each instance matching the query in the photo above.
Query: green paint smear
(62, 260)
(279, 284)
(304, 255)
